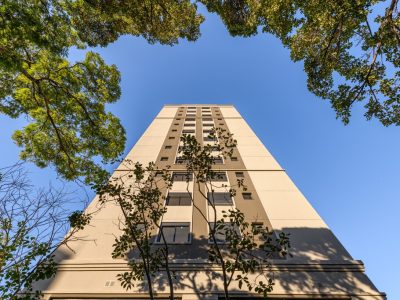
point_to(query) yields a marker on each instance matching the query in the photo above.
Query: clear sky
(350, 174)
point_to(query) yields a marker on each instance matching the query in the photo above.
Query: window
(239, 174)
(219, 176)
(207, 130)
(190, 119)
(220, 234)
(171, 138)
(221, 124)
(180, 161)
(191, 107)
(179, 199)
(174, 130)
(234, 158)
(206, 115)
(178, 119)
(257, 225)
(207, 119)
(247, 196)
(176, 124)
(214, 148)
(190, 115)
(189, 124)
(168, 147)
(208, 125)
(179, 115)
(164, 158)
(174, 233)
(182, 176)
(209, 139)
(218, 160)
(205, 107)
(219, 198)
(188, 131)
(182, 148)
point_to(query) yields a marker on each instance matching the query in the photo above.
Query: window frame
(174, 224)
(231, 203)
(181, 198)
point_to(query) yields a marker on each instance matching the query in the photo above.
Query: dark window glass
(182, 176)
(258, 225)
(190, 119)
(179, 114)
(209, 139)
(182, 148)
(164, 158)
(247, 196)
(191, 107)
(220, 198)
(175, 233)
(180, 161)
(178, 119)
(239, 174)
(188, 131)
(207, 119)
(220, 234)
(174, 130)
(190, 115)
(221, 124)
(168, 147)
(176, 124)
(219, 176)
(171, 138)
(189, 124)
(179, 199)
(205, 107)
(218, 160)
(208, 125)
(234, 158)
(207, 130)
(213, 148)
(206, 115)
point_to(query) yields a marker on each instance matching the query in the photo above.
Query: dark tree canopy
(350, 50)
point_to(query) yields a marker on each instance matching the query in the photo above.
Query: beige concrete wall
(320, 268)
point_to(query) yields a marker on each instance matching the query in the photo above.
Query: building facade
(320, 268)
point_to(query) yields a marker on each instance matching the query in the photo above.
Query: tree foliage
(350, 48)
(140, 193)
(238, 247)
(350, 51)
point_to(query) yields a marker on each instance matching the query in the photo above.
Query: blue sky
(350, 174)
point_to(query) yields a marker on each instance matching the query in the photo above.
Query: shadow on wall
(320, 265)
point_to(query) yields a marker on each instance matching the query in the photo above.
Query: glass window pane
(182, 234)
(220, 198)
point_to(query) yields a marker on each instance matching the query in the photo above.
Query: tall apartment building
(320, 268)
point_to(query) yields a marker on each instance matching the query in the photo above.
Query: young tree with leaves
(238, 247)
(139, 194)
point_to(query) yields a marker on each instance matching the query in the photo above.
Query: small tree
(139, 193)
(238, 247)
(32, 226)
